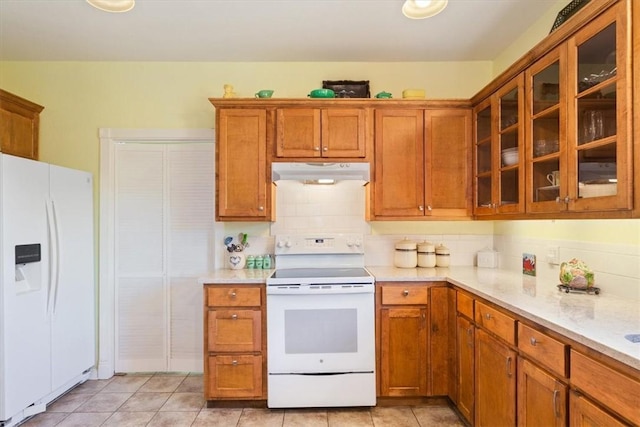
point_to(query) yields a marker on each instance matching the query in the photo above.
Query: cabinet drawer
(404, 295)
(234, 376)
(226, 296)
(611, 388)
(464, 305)
(234, 330)
(544, 349)
(496, 322)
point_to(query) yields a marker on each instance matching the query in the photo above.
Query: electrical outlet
(553, 255)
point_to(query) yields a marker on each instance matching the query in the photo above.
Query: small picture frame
(348, 88)
(567, 12)
(529, 264)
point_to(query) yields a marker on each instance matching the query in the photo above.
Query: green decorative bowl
(322, 93)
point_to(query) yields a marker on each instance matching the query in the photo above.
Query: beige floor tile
(129, 419)
(84, 419)
(398, 416)
(143, 402)
(252, 417)
(104, 402)
(349, 418)
(184, 402)
(219, 417)
(91, 386)
(162, 383)
(305, 418)
(126, 383)
(172, 419)
(69, 402)
(45, 419)
(191, 384)
(437, 416)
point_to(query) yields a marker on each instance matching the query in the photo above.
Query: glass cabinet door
(546, 130)
(483, 160)
(599, 149)
(510, 101)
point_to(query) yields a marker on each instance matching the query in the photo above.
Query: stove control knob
(282, 244)
(288, 244)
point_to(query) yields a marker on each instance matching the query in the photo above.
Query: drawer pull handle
(233, 294)
(234, 362)
(488, 316)
(533, 341)
(405, 292)
(234, 316)
(509, 366)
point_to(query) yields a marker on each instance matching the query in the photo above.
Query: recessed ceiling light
(113, 5)
(420, 9)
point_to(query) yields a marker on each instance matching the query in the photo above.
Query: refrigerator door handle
(53, 257)
(56, 249)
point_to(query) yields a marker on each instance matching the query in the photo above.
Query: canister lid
(426, 247)
(442, 250)
(406, 245)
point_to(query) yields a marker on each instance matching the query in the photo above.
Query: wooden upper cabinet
(599, 143)
(399, 165)
(499, 151)
(578, 121)
(422, 163)
(321, 133)
(242, 186)
(19, 126)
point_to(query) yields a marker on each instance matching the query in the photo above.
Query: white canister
(443, 256)
(406, 254)
(426, 254)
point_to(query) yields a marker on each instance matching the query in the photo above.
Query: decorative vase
(236, 260)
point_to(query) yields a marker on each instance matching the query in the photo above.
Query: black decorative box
(348, 88)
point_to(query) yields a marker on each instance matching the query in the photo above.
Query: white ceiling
(261, 30)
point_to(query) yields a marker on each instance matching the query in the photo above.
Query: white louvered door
(164, 233)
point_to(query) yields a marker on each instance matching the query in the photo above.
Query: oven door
(321, 329)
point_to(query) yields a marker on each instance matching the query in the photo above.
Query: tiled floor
(175, 400)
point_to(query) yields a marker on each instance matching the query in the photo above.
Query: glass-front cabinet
(598, 144)
(577, 134)
(499, 151)
(546, 129)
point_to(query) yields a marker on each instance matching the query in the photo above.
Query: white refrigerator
(47, 288)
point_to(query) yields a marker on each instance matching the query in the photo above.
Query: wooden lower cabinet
(542, 399)
(403, 352)
(584, 413)
(495, 390)
(465, 348)
(403, 339)
(237, 376)
(235, 352)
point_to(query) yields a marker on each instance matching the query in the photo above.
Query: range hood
(319, 172)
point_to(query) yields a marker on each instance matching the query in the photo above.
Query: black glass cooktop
(311, 273)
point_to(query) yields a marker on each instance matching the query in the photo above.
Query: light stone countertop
(597, 321)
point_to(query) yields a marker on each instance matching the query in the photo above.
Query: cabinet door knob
(234, 316)
(260, 208)
(233, 294)
(509, 366)
(420, 208)
(234, 362)
(555, 403)
(405, 292)
(325, 148)
(488, 316)
(316, 148)
(429, 208)
(533, 341)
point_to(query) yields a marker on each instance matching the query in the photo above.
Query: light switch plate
(553, 255)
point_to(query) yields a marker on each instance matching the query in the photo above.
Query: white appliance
(47, 319)
(320, 324)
